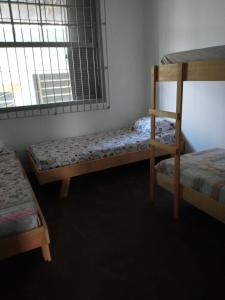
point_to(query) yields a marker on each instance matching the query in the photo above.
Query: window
(51, 57)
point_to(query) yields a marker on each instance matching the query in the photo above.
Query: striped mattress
(203, 171)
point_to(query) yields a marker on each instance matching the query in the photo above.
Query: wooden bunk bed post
(160, 74)
(177, 187)
(154, 75)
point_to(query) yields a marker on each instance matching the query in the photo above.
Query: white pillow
(161, 125)
(142, 124)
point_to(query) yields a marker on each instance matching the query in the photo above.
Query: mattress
(18, 209)
(58, 153)
(202, 171)
(211, 53)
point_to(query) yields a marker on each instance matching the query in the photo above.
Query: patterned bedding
(18, 210)
(58, 153)
(203, 171)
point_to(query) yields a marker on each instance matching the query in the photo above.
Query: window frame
(72, 105)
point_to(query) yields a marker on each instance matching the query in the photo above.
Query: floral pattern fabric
(4, 150)
(58, 153)
(161, 125)
(203, 171)
(18, 210)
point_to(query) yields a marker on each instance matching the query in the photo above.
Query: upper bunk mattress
(210, 53)
(58, 153)
(202, 171)
(18, 209)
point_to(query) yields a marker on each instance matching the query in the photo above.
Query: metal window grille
(52, 57)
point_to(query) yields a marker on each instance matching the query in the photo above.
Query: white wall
(125, 28)
(139, 33)
(180, 25)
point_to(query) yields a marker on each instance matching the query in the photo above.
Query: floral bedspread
(203, 171)
(18, 210)
(58, 153)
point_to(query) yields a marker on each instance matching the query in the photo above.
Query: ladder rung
(162, 113)
(169, 148)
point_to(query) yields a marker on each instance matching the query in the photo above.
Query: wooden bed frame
(213, 70)
(201, 201)
(28, 240)
(65, 173)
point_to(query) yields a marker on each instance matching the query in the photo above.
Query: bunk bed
(60, 160)
(177, 174)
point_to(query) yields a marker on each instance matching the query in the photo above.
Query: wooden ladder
(173, 149)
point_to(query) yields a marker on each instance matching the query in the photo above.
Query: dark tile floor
(108, 242)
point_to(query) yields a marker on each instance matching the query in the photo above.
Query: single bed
(69, 157)
(22, 226)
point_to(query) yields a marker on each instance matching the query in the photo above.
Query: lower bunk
(202, 177)
(60, 160)
(22, 225)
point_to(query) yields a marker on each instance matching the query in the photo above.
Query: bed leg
(64, 191)
(152, 188)
(46, 252)
(152, 177)
(176, 207)
(177, 192)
